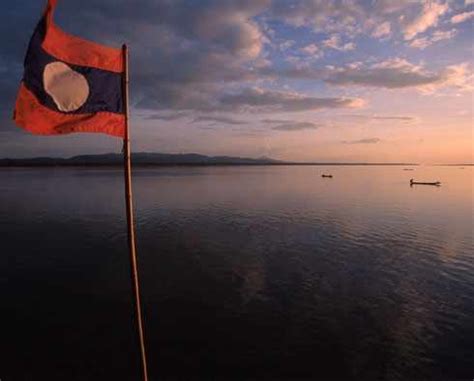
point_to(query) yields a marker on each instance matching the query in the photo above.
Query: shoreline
(151, 165)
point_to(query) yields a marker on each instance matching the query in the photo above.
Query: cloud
(387, 7)
(219, 119)
(380, 117)
(166, 117)
(202, 56)
(295, 126)
(399, 73)
(461, 17)
(334, 42)
(310, 49)
(183, 55)
(351, 18)
(430, 13)
(424, 42)
(382, 30)
(348, 18)
(327, 15)
(257, 99)
(420, 43)
(406, 118)
(393, 73)
(458, 77)
(290, 125)
(363, 141)
(190, 57)
(286, 45)
(272, 121)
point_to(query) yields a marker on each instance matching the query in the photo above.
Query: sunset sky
(305, 80)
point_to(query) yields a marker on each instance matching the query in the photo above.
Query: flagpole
(130, 220)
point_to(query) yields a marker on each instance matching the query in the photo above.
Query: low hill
(139, 158)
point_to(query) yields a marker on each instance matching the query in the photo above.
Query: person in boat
(412, 182)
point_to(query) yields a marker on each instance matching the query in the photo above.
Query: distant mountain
(156, 159)
(139, 158)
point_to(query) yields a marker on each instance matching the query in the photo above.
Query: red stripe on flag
(77, 51)
(40, 120)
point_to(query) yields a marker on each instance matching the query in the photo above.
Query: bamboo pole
(130, 219)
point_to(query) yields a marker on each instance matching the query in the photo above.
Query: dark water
(247, 273)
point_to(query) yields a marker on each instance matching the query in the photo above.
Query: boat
(435, 183)
(328, 176)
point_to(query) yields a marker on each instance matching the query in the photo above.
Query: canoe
(435, 183)
(329, 176)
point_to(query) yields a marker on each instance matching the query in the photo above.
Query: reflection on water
(247, 273)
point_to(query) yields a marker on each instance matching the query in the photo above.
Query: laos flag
(70, 84)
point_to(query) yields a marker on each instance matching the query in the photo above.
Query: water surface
(247, 273)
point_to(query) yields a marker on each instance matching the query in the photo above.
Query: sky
(301, 80)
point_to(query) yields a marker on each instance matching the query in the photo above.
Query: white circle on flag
(68, 88)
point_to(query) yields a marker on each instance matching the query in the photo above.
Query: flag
(69, 84)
